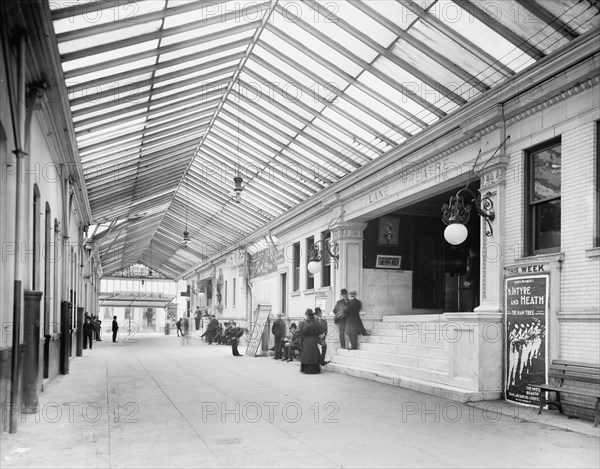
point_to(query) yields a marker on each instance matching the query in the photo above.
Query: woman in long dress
(310, 356)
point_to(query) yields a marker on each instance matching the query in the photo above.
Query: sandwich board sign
(258, 329)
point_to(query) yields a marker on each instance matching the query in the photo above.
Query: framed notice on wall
(526, 344)
(388, 262)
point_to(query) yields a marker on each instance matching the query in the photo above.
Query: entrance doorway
(445, 277)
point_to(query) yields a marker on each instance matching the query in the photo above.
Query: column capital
(350, 230)
(494, 173)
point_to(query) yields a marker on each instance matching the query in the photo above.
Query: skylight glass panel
(319, 135)
(456, 53)
(88, 138)
(231, 55)
(437, 73)
(266, 144)
(392, 11)
(168, 115)
(276, 123)
(378, 107)
(357, 19)
(296, 77)
(322, 154)
(520, 20)
(96, 13)
(287, 115)
(183, 51)
(208, 89)
(108, 37)
(410, 83)
(581, 16)
(310, 43)
(348, 124)
(108, 93)
(196, 73)
(372, 122)
(280, 88)
(478, 33)
(205, 28)
(108, 56)
(328, 26)
(107, 72)
(204, 12)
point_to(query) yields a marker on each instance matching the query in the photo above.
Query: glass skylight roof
(155, 88)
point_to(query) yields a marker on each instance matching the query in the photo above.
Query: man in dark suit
(115, 328)
(354, 325)
(234, 333)
(278, 330)
(88, 331)
(340, 319)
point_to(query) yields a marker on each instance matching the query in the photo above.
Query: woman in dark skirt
(310, 356)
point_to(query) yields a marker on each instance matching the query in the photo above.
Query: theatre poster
(526, 346)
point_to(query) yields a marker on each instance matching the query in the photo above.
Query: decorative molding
(492, 176)
(578, 316)
(348, 231)
(549, 101)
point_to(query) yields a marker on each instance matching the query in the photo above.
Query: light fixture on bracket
(316, 252)
(456, 214)
(238, 188)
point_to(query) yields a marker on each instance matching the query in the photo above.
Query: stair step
(425, 363)
(415, 384)
(403, 349)
(396, 339)
(413, 318)
(351, 358)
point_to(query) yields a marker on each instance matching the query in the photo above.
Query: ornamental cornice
(555, 99)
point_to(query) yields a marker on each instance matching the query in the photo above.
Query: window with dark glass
(310, 279)
(296, 263)
(544, 171)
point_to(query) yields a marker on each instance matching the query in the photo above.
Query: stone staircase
(405, 351)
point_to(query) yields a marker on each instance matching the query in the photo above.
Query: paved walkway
(156, 403)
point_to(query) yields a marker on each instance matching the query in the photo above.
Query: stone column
(348, 274)
(31, 359)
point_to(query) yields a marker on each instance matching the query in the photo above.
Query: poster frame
(505, 366)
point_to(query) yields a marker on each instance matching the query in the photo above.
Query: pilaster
(349, 237)
(492, 189)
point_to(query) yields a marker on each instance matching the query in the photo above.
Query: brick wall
(580, 277)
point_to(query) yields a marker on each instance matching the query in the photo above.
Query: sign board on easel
(258, 329)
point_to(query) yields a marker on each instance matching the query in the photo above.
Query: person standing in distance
(115, 328)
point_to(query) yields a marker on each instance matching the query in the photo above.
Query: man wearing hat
(340, 315)
(278, 330)
(354, 325)
(321, 339)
